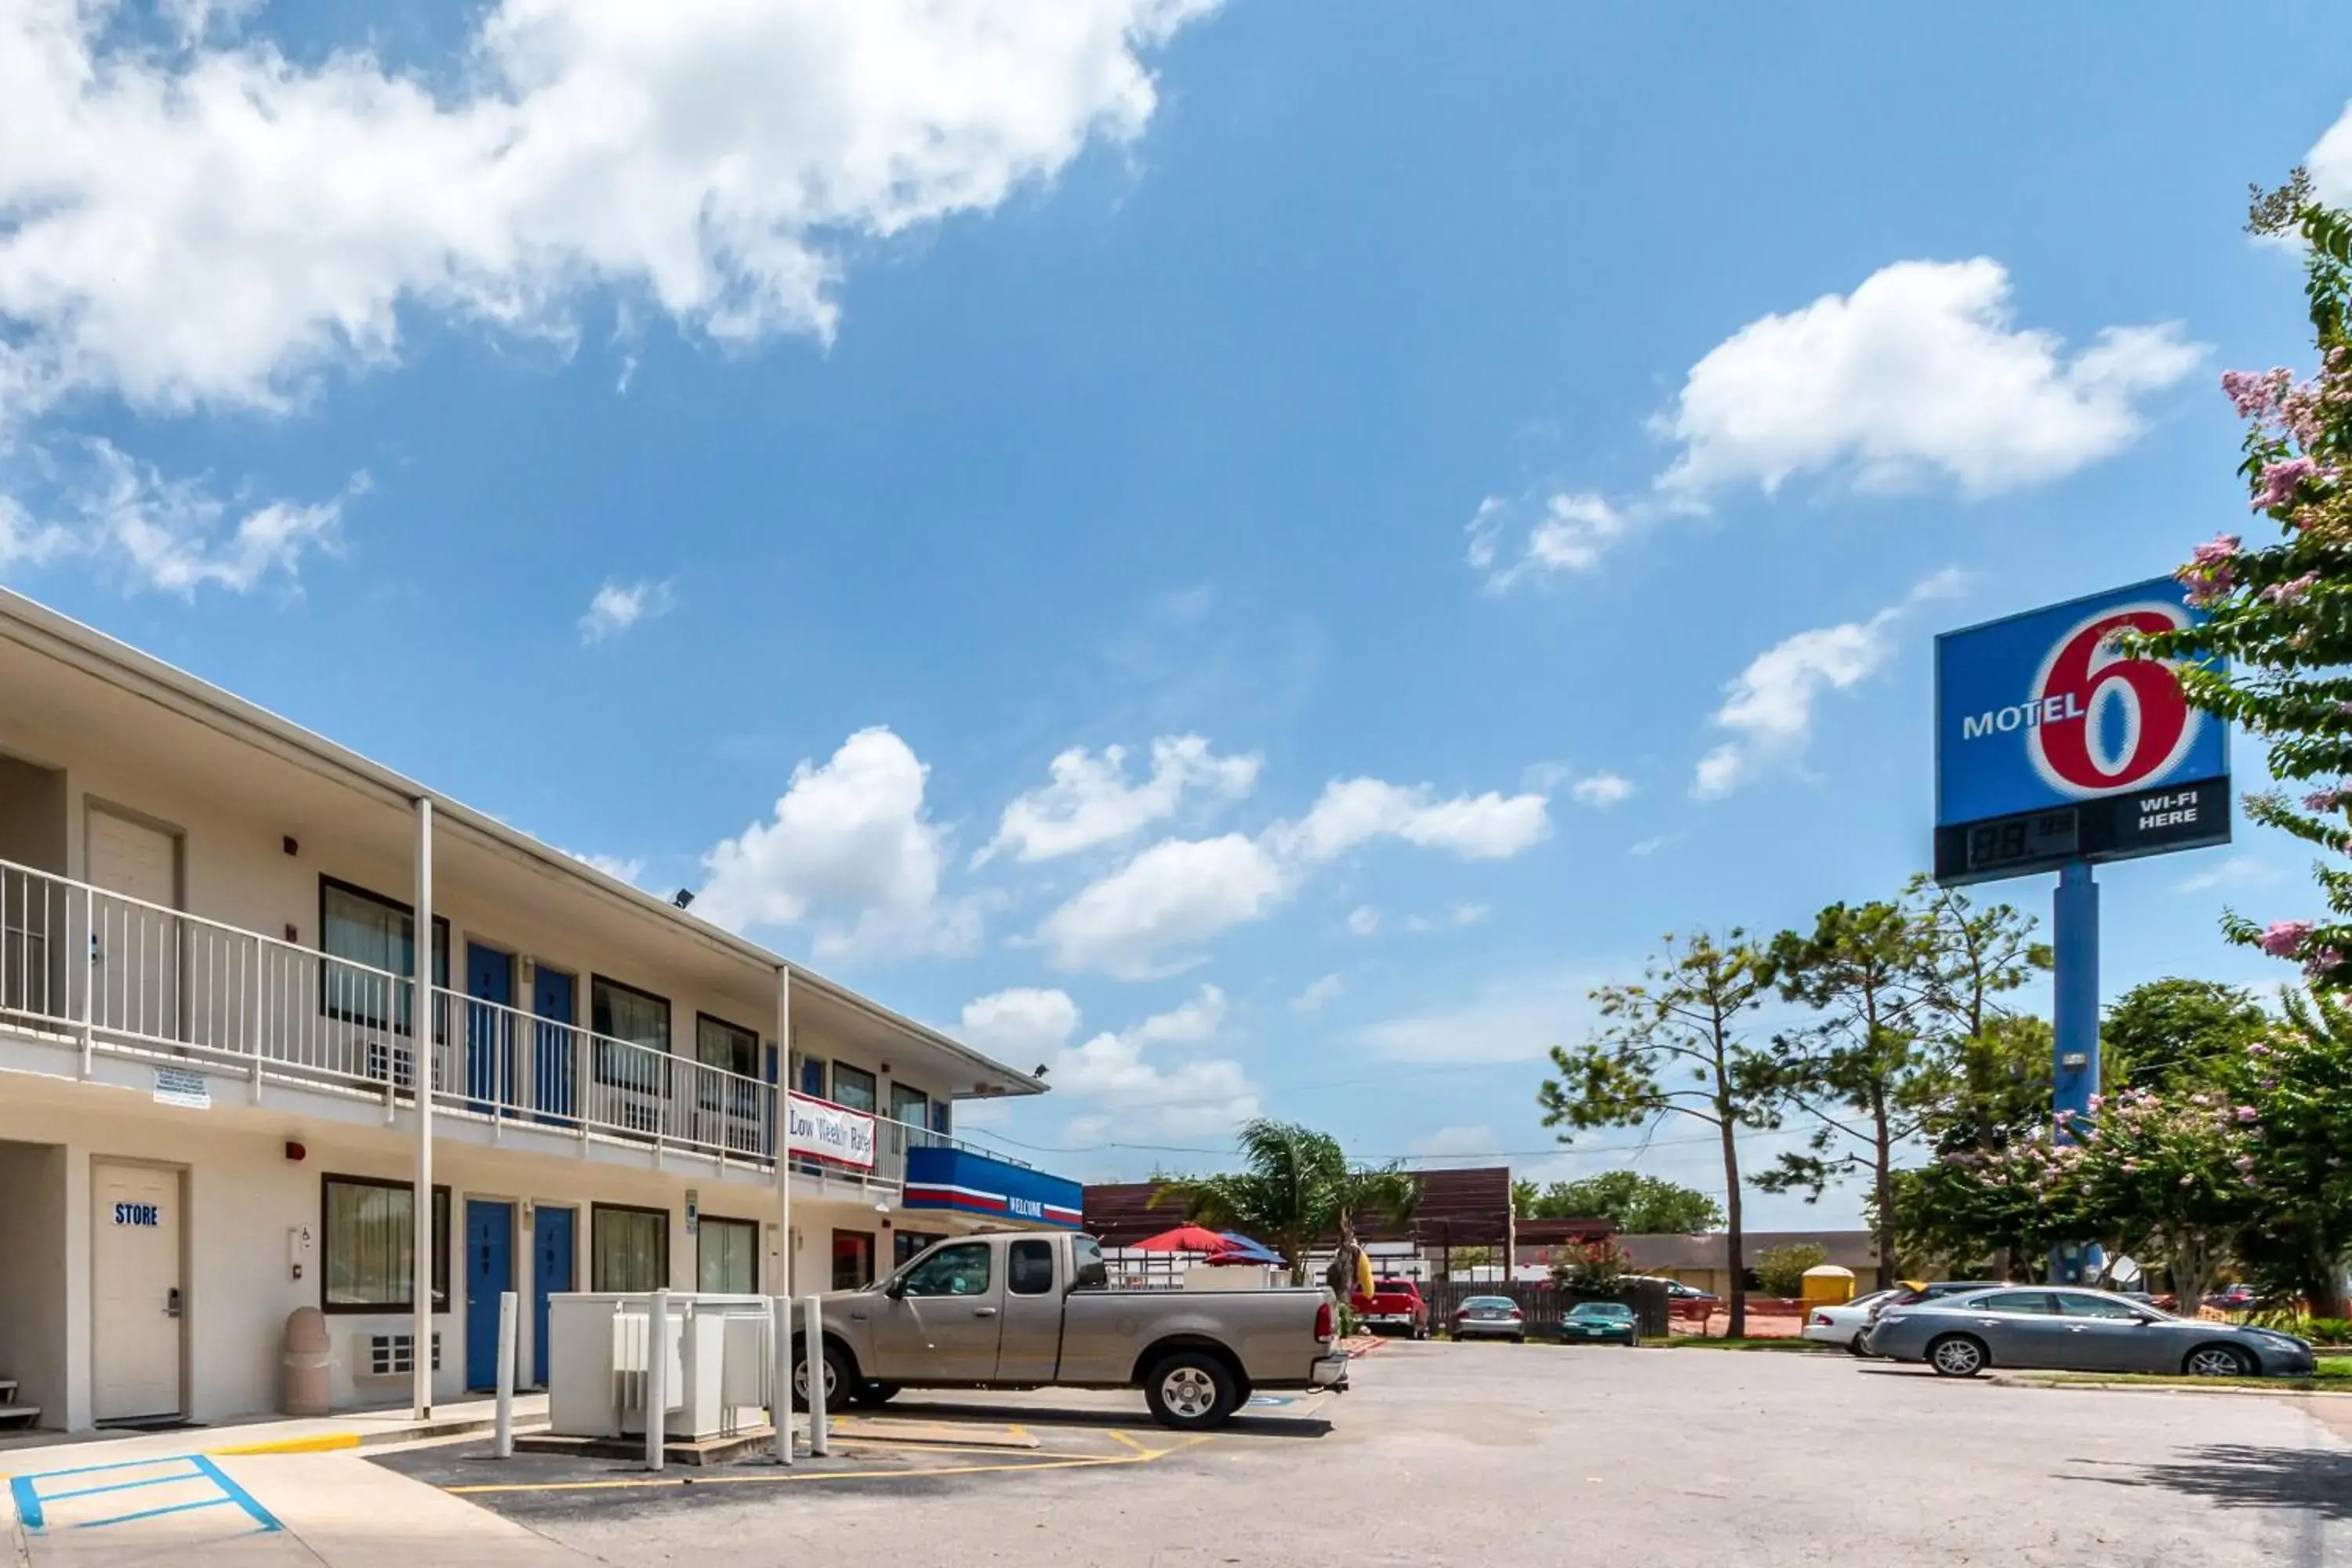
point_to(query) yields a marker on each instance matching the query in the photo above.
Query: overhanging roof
(36, 627)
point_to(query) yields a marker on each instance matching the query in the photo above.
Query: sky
(1250, 554)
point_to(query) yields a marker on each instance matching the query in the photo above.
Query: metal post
(783, 1133)
(2075, 932)
(420, 1034)
(779, 1317)
(656, 1378)
(813, 1312)
(502, 1438)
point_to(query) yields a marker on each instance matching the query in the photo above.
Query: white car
(1842, 1325)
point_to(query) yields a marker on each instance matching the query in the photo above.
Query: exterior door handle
(172, 1302)
(984, 1312)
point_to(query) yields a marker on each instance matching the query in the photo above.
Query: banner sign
(829, 1132)
(2051, 746)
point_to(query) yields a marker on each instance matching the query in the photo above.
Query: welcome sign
(829, 1132)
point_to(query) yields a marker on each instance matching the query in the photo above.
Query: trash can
(309, 1364)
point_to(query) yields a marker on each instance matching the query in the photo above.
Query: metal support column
(781, 1153)
(2074, 930)
(420, 1040)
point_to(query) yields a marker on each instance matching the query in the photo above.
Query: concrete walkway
(267, 1493)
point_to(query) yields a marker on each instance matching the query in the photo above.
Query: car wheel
(1957, 1355)
(840, 1373)
(1192, 1391)
(2219, 1361)
(1854, 1348)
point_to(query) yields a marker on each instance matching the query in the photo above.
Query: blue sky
(1494, 481)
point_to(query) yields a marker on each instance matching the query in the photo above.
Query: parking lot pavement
(1529, 1455)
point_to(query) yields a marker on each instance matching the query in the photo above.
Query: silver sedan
(2077, 1330)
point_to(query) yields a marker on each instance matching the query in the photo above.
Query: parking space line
(33, 1503)
(1117, 1436)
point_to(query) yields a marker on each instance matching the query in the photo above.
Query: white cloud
(2330, 163)
(1603, 790)
(2235, 871)
(174, 536)
(1652, 844)
(1456, 1146)
(1188, 1024)
(851, 846)
(619, 606)
(1454, 917)
(1574, 531)
(1363, 921)
(1089, 802)
(1919, 373)
(1352, 812)
(213, 223)
(1769, 708)
(1150, 916)
(1020, 1024)
(1318, 994)
(1512, 1021)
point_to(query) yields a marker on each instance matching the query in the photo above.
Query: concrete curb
(335, 1442)
(2185, 1385)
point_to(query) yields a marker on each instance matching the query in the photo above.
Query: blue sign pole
(2074, 930)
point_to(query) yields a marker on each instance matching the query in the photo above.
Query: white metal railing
(165, 985)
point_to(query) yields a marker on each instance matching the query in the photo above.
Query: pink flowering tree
(2280, 614)
(2172, 1180)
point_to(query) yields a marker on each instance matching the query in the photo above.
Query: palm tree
(1295, 1188)
(1388, 1191)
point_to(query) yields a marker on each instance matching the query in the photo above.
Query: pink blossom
(2218, 549)
(2254, 391)
(2131, 1165)
(2256, 1049)
(2327, 799)
(2282, 481)
(2323, 962)
(2097, 1101)
(2284, 937)
(2245, 1161)
(2291, 593)
(2245, 1113)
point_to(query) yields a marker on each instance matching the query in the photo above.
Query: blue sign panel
(946, 1178)
(2051, 746)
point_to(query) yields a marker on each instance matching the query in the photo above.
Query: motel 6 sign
(2051, 746)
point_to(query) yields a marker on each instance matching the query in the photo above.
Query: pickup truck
(1393, 1304)
(1034, 1309)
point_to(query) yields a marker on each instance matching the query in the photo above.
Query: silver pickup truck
(1032, 1309)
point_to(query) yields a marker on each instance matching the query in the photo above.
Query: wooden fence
(1544, 1306)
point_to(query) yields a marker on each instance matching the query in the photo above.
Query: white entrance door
(135, 1291)
(135, 950)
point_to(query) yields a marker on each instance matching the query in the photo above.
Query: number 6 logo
(2098, 692)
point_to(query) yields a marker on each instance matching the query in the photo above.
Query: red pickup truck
(1393, 1304)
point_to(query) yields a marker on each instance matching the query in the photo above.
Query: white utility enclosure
(717, 1379)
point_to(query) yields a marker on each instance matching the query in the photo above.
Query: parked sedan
(1599, 1323)
(1843, 1324)
(1490, 1318)
(2077, 1330)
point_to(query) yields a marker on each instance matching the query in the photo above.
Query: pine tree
(2280, 615)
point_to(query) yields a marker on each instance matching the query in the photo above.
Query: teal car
(1599, 1323)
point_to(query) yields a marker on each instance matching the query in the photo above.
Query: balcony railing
(165, 986)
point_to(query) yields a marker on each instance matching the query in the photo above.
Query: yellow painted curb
(326, 1443)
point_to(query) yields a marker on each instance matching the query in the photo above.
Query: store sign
(145, 1216)
(829, 1132)
(2052, 746)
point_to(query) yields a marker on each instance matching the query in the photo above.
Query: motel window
(370, 1231)
(630, 1249)
(369, 929)
(853, 1086)
(911, 1106)
(719, 1044)
(726, 1256)
(619, 1012)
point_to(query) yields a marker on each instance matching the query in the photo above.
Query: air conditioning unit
(393, 1355)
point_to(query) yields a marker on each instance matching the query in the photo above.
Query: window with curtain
(366, 928)
(630, 1249)
(853, 1086)
(367, 1264)
(621, 1012)
(726, 1256)
(911, 1106)
(719, 1044)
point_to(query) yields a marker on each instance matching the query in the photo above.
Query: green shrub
(1780, 1270)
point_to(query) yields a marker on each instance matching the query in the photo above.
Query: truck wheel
(840, 1373)
(1192, 1391)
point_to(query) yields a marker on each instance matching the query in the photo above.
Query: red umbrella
(1185, 1238)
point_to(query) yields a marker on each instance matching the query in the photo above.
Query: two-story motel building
(208, 1035)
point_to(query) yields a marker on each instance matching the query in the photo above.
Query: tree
(1780, 1270)
(2277, 613)
(2298, 1082)
(1975, 954)
(1297, 1188)
(1593, 1269)
(2173, 1032)
(1386, 1191)
(1865, 1071)
(1635, 1203)
(1674, 1046)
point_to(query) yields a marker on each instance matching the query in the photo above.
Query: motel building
(209, 1036)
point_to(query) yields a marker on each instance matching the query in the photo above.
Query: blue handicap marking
(38, 1494)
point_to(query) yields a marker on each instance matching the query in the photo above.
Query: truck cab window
(952, 1271)
(1087, 1271)
(1029, 1271)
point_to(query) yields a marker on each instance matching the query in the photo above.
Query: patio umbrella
(1240, 1248)
(1185, 1238)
